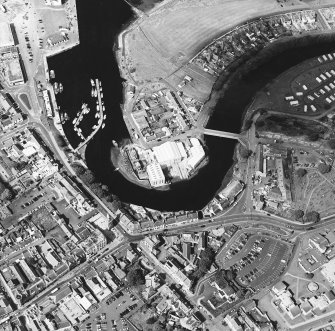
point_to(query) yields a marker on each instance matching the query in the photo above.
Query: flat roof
(6, 36)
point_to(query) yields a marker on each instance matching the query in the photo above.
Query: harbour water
(99, 23)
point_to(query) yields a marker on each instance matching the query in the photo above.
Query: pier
(100, 122)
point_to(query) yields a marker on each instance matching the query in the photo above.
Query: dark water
(99, 23)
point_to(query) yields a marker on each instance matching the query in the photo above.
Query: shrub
(323, 168)
(313, 217)
(301, 172)
(299, 214)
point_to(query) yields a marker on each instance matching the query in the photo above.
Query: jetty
(101, 118)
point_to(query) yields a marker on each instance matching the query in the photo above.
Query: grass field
(169, 37)
(185, 30)
(315, 192)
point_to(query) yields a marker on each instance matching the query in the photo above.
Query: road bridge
(225, 134)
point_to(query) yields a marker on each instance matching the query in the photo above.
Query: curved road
(240, 219)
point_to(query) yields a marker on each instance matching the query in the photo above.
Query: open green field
(170, 36)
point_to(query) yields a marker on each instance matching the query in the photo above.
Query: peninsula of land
(174, 83)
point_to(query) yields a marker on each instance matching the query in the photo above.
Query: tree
(97, 189)
(158, 327)
(244, 152)
(78, 169)
(151, 320)
(206, 259)
(326, 106)
(105, 188)
(301, 172)
(88, 177)
(309, 275)
(312, 217)
(323, 168)
(135, 277)
(220, 278)
(331, 143)
(259, 124)
(230, 274)
(109, 197)
(262, 111)
(8, 194)
(298, 214)
(314, 136)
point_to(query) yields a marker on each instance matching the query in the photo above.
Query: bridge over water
(224, 134)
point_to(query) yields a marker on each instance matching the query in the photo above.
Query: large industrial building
(6, 36)
(156, 175)
(169, 153)
(197, 153)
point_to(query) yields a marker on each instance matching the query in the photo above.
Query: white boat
(98, 108)
(96, 115)
(60, 87)
(103, 108)
(101, 95)
(92, 82)
(95, 93)
(56, 88)
(74, 121)
(94, 127)
(92, 93)
(52, 74)
(103, 125)
(114, 143)
(104, 117)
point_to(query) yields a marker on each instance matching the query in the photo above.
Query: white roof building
(328, 271)
(100, 221)
(197, 153)
(156, 175)
(167, 153)
(182, 150)
(6, 36)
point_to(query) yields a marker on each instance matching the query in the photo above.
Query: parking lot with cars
(263, 262)
(112, 313)
(257, 259)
